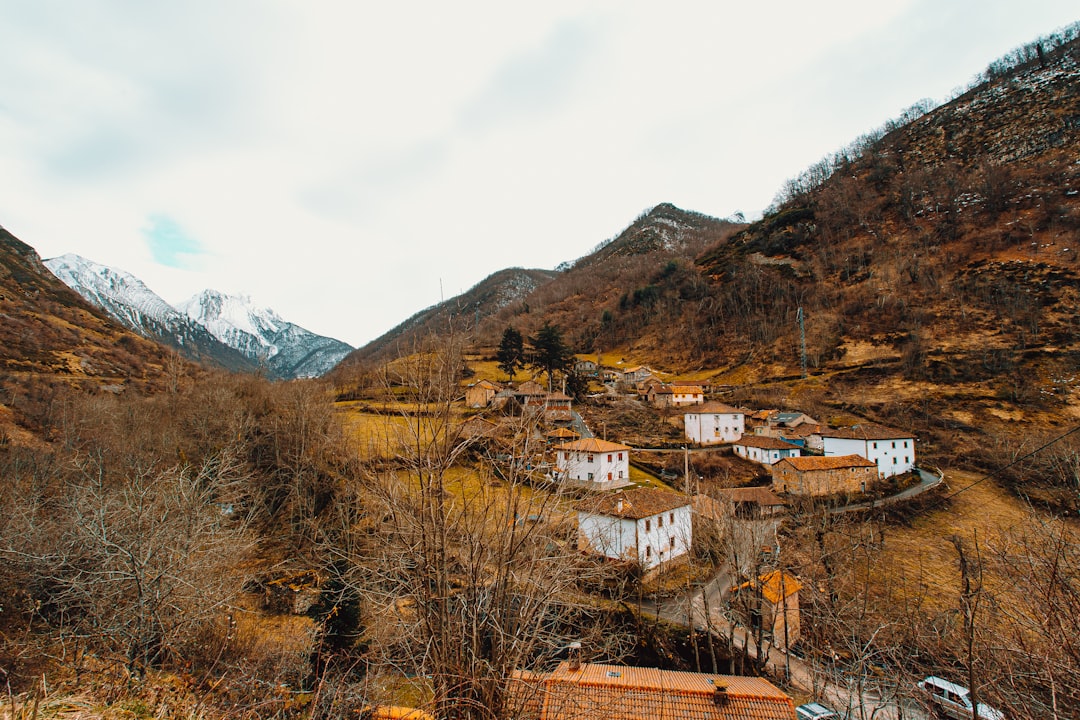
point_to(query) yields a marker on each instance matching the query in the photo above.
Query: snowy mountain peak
(116, 291)
(229, 330)
(235, 320)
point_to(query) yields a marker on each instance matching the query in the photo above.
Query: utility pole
(802, 339)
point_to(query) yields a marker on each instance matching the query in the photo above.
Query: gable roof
(594, 445)
(765, 442)
(758, 495)
(866, 431)
(775, 586)
(634, 503)
(714, 406)
(686, 388)
(531, 387)
(617, 692)
(827, 462)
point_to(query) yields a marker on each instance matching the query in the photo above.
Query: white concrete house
(645, 525)
(594, 463)
(714, 423)
(892, 450)
(763, 449)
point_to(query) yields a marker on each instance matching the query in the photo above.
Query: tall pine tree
(511, 352)
(550, 353)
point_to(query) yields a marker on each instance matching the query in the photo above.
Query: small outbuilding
(815, 476)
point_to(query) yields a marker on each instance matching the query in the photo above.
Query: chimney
(575, 656)
(720, 696)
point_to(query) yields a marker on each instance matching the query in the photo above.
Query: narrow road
(927, 480)
(826, 684)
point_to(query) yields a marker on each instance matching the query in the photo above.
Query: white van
(954, 700)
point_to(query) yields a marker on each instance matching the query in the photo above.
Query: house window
(672, 542)
(875, 446)
(590, 458)
(609, 457)
(905, 443)
(894, 461)
(894, 444)
(671, 517)
(620, 456)
(906, 461)
(620, 474)
(660, 521)
(648, 552)
(590, 476)
(648, 526)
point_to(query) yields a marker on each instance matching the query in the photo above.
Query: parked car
(816, 711)
(952, 700)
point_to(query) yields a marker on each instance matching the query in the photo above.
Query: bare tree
(467, 571)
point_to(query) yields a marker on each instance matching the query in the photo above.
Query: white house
(593, 463)
(675, 395)
(763, 449)
(645, 525)
(892, 450)
(714, 423)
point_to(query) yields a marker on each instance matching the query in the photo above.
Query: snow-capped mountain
(135, 306)
(212, 327)
(285, 349)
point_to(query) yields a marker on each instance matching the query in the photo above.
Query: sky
(351, 163)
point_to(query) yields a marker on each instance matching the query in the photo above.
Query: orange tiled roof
(616, 692)
(595, 445)
(716, 407)
(634, 503)
(765, 442)
(563, 433)
(686, 389)
(828, 462)
(759, 495)
(866, 431)
(779, 584)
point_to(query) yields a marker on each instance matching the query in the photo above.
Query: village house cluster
(654, 527)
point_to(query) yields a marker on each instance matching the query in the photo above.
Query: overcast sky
(346, 162)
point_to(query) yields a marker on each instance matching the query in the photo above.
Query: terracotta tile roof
(828, 462)
(563, 433)
(531, 387)
(616, 692)
(394, 712)
(866, 431)
(595, 445)
(707, 507)
(714, 407)
(634, 503)
(686, 389)
(759, 495)
(805, 430)
(764, 442)
(777, 582)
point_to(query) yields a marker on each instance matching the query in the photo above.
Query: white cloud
(337, 160)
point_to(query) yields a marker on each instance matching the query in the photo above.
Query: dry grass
(923, 557)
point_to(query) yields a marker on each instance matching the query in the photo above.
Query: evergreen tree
(511, 352)
(549, 352)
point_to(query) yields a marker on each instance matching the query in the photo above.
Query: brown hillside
(48, 335)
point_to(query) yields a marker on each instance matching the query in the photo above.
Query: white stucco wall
(713, 428)
(651, 541)
(893, 457)
(599, 467)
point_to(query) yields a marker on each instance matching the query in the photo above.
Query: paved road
(927, 480)
(826, 684)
